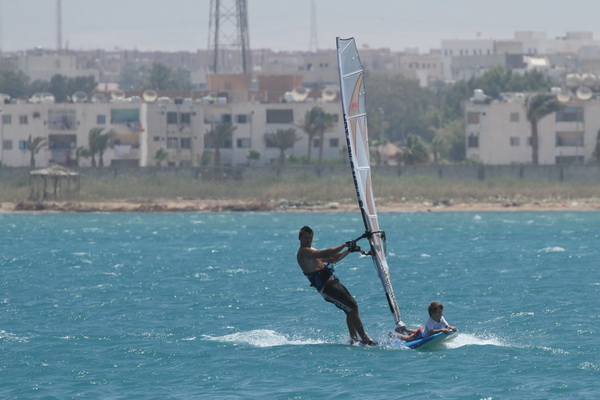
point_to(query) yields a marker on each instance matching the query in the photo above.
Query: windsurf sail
(352, 90)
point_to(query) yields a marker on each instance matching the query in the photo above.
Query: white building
(524, 42)
(142, 128)
(498, 132)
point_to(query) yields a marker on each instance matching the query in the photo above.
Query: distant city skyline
(285, 25)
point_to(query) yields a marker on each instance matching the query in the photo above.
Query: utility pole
(228, 38)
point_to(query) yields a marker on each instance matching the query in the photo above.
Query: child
(435, 324)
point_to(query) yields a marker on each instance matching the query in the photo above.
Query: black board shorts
(336, 293)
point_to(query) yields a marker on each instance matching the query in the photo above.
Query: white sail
(355, 121)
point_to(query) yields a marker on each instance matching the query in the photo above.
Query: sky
(285, 25)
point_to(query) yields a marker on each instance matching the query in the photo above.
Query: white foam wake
(465, 339)
(262, 338)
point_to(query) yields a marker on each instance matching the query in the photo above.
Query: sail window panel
(350, 64)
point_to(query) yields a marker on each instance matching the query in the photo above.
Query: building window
(226, 118)
(473, 141)
(208, 143)
(62, 141)
(186, 118)
(241, 118)
(6, 119)
(270, 141)
(186, 143)
(472, 118)
(101, 119)
(572, 139)
(23, 120)
(243, 143)
(334, 142)
(172, 142)
(570, 114)
(514, 141)
(514, 117)
(316, 143)
(157, 138)
(7, 145)
(172, 117)
(61, 120)
(22, 144)
(280, 116)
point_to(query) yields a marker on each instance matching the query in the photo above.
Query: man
(321, 277)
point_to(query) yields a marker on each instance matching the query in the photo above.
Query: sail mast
(352, 91)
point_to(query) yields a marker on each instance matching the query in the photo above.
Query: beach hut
(56, 176)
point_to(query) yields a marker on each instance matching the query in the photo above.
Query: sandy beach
(183, 205)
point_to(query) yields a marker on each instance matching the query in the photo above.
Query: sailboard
(354, 110)
(427, 342)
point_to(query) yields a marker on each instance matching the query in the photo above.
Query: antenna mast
(58, 27)
(228, 38)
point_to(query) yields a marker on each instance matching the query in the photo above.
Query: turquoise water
(201, 305)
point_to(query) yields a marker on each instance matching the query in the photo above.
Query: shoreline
(182, 205)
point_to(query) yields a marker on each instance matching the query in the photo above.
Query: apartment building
(498, 132)
(177, 125)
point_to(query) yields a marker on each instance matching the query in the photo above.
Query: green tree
(537, 107)
(284, 139)
(34, 145)
(415, 151)
(160, 156)
(217, 136)
(253, 156)
(13, 83)
(59, 88)
(316, 123)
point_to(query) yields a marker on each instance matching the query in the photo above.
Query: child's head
(434, 307)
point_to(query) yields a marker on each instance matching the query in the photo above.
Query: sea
(214, 306)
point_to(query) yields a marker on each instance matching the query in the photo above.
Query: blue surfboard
(429, 341)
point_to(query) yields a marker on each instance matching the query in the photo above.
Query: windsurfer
(312, 263)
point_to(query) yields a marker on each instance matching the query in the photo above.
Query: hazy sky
(172, 25)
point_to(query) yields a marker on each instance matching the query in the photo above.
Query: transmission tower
(314, 43)
(228, 40)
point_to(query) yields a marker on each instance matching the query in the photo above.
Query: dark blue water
(179, 306)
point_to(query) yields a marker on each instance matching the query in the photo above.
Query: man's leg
(353, 318)
(351, 328)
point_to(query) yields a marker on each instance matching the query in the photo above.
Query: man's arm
(338, 257)
(313, 254)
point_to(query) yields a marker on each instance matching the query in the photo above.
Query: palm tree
(537, 107)
(81, 152)
(415, 151)
(93, 140)
(34, 146)
(161, 155)
(99, 142)
(218, 135)
(284, 139)
(316, 123)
